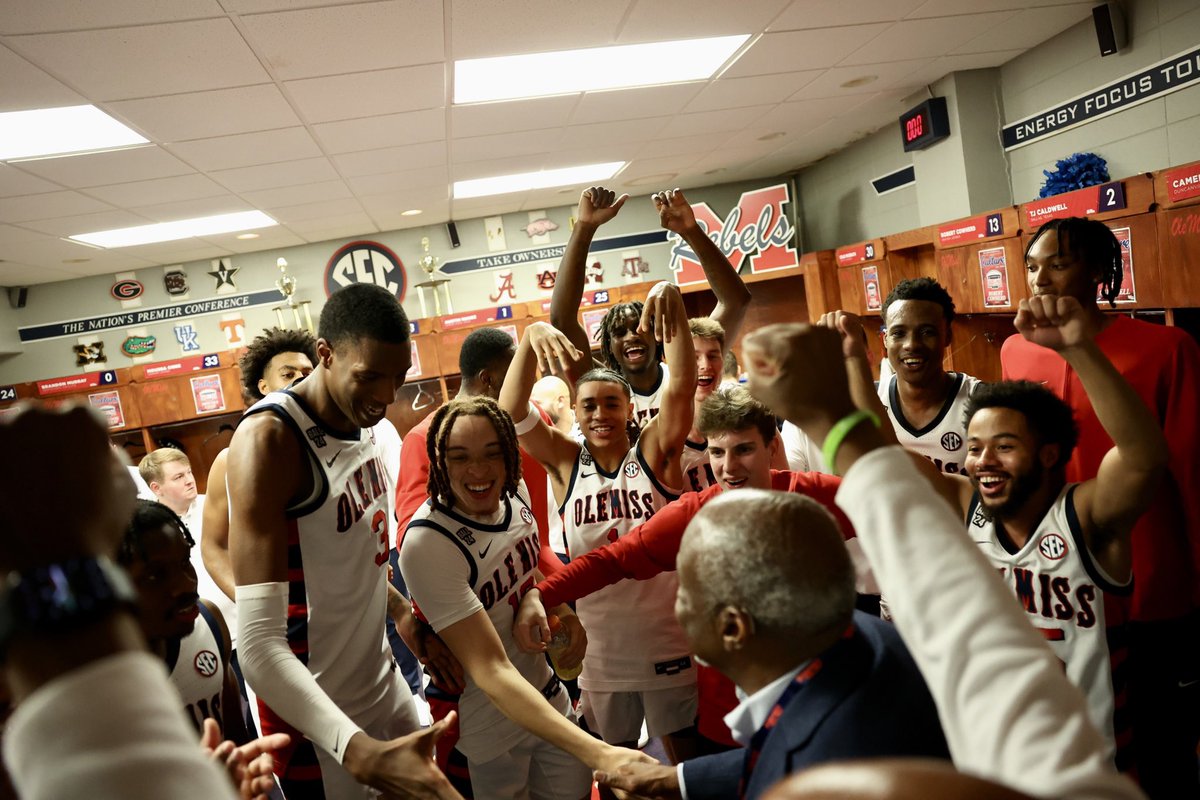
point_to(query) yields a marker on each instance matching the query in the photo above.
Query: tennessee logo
(206, 663)
(756, 229)
(632, 470)
(526, 516)
(951, 441)
(126, 290)
(1052, 546)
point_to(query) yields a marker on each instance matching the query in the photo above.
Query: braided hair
(1092, 243)
(612, 320)
(148, 515)
(602, 375)
(440, 490)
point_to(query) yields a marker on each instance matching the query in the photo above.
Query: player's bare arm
(233, 725)
(214, 545)
(733, 298)
(1109, 504)
(663, 438)
(597, 206)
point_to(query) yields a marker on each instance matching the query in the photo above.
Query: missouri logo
(1052, 546)
(951, 441)
(206, 663)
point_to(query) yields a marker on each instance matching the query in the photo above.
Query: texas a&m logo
(756, 228)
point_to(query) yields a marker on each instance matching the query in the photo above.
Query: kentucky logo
(186, 336)
(756, 229)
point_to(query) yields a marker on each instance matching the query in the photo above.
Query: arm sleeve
(1008, 712)
(438, 577)
(648, 550)
(113, 730)
(412, 484)
(278, 677)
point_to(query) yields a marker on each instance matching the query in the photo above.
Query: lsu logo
(206, 663)
(1052, 546)
(756, 229)
(951, 441)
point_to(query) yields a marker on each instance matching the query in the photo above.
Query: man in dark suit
(766, 595)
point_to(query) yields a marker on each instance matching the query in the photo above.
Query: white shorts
(617, 716)
(532, 770)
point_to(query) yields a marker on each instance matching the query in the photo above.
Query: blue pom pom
(1074, 172)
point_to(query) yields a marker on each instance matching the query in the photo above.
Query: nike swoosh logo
(329, 463)
(1186, 684)
(484, 552)
(586, 474)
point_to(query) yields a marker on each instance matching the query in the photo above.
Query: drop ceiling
(334, 117)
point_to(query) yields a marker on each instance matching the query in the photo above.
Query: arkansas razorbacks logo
(756, 229)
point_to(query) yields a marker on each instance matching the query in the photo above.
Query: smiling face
(166, 584)
(635, 353)
(709, 363)
(364, 377)
(1004, 460)
(475, 465)
(916, 340)
(282, 370)
(740, 460)
(1048, 272)
(602, 408)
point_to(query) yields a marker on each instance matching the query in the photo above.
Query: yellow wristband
(838, 433)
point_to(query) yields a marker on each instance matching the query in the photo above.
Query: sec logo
(206, 663)
(951, 441)
(126, 289)
(632, 470)
(526, 516)
(1052, 546)
(365, 262)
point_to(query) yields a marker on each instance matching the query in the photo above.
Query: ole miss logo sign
(365, 262)
(756, 230)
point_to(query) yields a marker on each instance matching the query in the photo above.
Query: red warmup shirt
(652, 547)
(412, 489)
(1162, 364)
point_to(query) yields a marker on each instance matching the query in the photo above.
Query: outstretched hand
(402, 767)
(661, 311)
(1054, 322)
(598, 205)
(851, 328)
(639, 779)
(674, 212)
(554, 352)
(251, 766)
(798, 371)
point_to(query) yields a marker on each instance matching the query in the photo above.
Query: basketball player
(708, 340)
(1081, 258)
(185, 631)
(309, 546)
(1063, 547)
(638, 665)
(468, 554)
(624, 346)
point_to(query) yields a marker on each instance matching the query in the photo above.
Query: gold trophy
(287, 287)
(429, 263)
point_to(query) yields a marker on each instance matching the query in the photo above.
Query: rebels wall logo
(755, 228)
(365, 262)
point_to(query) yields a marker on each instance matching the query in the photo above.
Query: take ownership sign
(1168, 75)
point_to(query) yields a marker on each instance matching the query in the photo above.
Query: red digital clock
(924, 125)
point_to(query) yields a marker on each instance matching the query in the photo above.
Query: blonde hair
(152, 465)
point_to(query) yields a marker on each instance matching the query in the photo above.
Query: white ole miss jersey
(1069, 599)
(337, 559)
(944, 440)
(697, 472)
(646, 406)
(197, 670)
(634, 641)
(455, 565)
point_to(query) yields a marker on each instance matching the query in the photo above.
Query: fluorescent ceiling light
(546, 179)
(179, 229)
(61, 131)
(477, 80)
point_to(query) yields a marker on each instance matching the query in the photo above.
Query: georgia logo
(526, 516)
(1052, 546)
(206, 663)
(632, 470)
(126, 289)
(951, 441)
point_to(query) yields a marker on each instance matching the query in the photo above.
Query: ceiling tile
(757, 90)
(296, 195)
(15, 182)
(391, 159)
(13, 234)
(369, 94)
(510, 165)
(322, 208)
(179, 252)
(1027, 28)
(797, 51)
(649, 101)
(161, 190)
(948, 8)
(435, 213)
(247, 149)
(347, 38)
(259, 6)
(886, 76)
(119, 63)
(358, 221)
(24, 86)
(485, 119)
(531, 26)
(928, 37)
(271, 176)
(482, 148)
(677, 145)
(13, 273)
(388, 130)
(46, 16)
(806, 14)
(386, 182)
(200, 115)
(945, 65)
(804, 115)
(97, 169)
(656, 21)
(199, 207)
(268, 239)
(87, 223)
(620, 132)
(713, 121)
(48, 204)
(402, 199)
